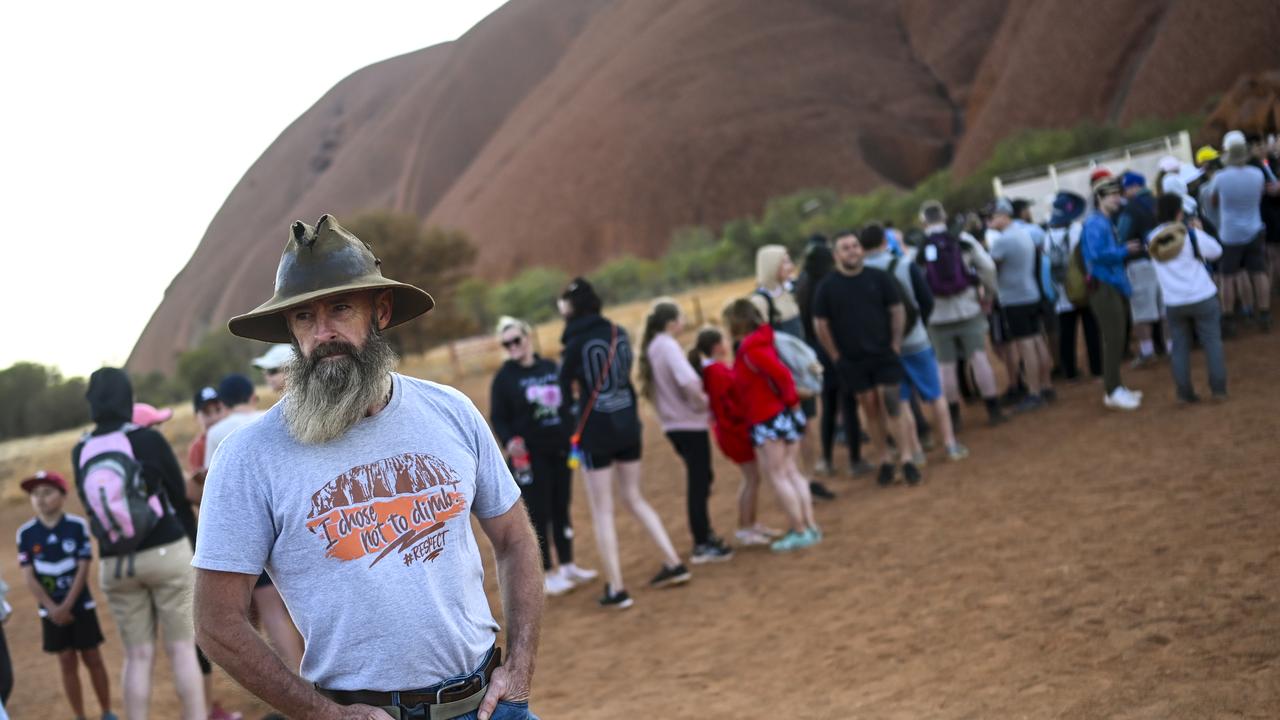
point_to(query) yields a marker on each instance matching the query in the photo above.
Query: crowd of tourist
(875, 340)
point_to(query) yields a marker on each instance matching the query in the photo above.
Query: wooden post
(697, 312)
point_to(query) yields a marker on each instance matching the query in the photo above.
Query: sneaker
(861, 468)
(669, 576)
(578, 575)
(750, 537)
(820, 491)
(1189, 398)
(919, 460)
(885, 476)
(823, 468)
(712, 551)
(911, 473)
(815, 534)
(1135, 394)
(956, 451)
(556, 584)
(1121, 399)
(767, 531)
(1029, 403)
(792, 541)
(617, 600)
(926, 441)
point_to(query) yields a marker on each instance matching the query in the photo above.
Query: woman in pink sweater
(675, 389)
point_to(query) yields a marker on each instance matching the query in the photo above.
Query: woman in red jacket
(771, 410)
(733, 436)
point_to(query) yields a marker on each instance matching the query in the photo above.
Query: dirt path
(1079, 565)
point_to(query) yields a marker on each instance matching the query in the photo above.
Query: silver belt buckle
(449, 687)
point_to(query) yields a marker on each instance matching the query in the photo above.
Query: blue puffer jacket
(1104, 256)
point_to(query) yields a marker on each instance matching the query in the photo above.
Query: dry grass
(469, 365)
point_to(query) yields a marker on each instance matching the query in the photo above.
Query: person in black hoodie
(529, 417)
(595, 374)
(155, 584)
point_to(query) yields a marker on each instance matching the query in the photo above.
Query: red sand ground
(1080, 564)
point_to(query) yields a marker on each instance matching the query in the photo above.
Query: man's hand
(362, 712)
(503, 685)
(1134, 247)
(61, 615)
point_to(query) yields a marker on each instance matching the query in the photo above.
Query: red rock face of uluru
(566, 133)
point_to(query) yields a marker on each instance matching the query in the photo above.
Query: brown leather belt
(445, 692)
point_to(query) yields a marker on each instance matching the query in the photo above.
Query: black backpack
(908, 297)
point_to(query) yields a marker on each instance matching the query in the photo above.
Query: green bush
(628, 278)
(531, 295)
(35, 399)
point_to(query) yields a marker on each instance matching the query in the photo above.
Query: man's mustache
(334, 347)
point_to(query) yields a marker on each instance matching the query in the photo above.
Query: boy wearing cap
(274, 363)
(54, 552)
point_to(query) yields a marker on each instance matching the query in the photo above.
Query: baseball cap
(1169, 164)
(1206, 154)
(204, 396)
(275, 358)
(1002, 207)
(1232, 139)
(1132, 179)
(148, 415)
(235, 389)
(52, 479)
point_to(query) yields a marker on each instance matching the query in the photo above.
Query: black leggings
(1067, 322)
(694, 447)
(547, 499)
(6, 669)
(836, 401)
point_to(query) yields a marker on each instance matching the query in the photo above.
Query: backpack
(944, 267)
(908, 298)
(122, 508)
(1059, 256)
(802, 361)
(1044, 278)
(1077, 281)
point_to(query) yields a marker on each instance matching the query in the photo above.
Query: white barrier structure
(1040, 184)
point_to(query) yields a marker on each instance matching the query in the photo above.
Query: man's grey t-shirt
(1015, 256)
(367, 538)
(1239, 190)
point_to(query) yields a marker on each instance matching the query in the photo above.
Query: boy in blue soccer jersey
(54, 552)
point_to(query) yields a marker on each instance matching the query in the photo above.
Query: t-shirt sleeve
(999, 248)
(84, 551)
(24, 552)
(821, 309)
(496, 490)
(237, 526)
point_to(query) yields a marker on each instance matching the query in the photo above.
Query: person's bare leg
(874, 423)
(913, 436)
(69, 664)
(98, 677)
(983, 374)
(187, 679)
(138, 660)
(1244, 288)
(1046, 363)
(898, 425)
(629, 479)
(950, 381)
(748, 495)
(1262, 292)
(599, 484)
(1026, 353)
(801, 484)
(942, 420)
(278, 626)
(774, 454)
(1229, 295)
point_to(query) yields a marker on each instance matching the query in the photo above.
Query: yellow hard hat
(1206, 154)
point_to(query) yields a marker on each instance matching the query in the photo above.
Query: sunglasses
(272, 372)
(513, 342)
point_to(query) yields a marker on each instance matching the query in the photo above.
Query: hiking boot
(885, 477)
(1187, 398)
(823, 468)
(1121, 399)
(820, 491)
(616, 600)
(714, 550)
(793, 541)
(670, 576)
(1029, 403)
(861, 468)
(956, 451)
(1143, 362)
(911, 473)
(750, 537)
(556, 584)
(578, 575)
(994, 415)
(1012, 397)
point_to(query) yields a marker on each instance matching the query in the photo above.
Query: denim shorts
(922, 375)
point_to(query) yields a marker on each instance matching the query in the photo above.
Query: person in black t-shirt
(859, 318)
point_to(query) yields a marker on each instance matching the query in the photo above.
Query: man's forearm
(823, 331)
(520, 578)
(232, 643)
(898, 321)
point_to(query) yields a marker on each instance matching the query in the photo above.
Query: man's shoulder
(419, 390)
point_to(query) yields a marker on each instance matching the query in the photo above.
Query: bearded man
(355, 493)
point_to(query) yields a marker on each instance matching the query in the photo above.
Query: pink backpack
(122, 509)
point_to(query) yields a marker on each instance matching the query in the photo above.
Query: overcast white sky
(126, 124)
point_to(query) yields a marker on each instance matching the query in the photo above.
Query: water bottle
(521, 467)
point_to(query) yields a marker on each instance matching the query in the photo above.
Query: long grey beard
(325, 399)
